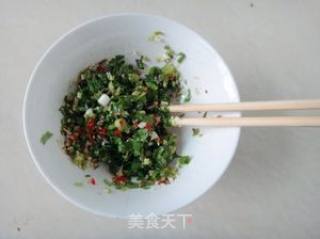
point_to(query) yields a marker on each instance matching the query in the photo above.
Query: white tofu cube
(103, 100)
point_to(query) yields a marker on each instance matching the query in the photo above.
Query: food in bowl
(203, 72)
(117, 116)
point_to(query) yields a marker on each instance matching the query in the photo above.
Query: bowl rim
(60, 39)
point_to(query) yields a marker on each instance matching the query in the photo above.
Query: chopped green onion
(186, 97)
(156, 36)
(205, 115)
(181, 57)
(45, 137)
(182, 160)
(78, 184)
(196, 132)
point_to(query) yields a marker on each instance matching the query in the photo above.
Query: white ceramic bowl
(88, 43)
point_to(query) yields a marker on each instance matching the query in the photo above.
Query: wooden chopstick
(248, 106)
(248, 121)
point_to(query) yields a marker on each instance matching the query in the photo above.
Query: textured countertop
(271, 189)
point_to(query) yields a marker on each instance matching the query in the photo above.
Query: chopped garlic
(142, 124)
(79, 95)
(89, 113)
(103, 100)
(156, 36)
(135, 180)
(154, 135)
(146, 161)
(164, 58)
(109, 76)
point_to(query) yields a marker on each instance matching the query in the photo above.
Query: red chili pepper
(102, 131)
(148, 126)
(117, 133)
(75, 135)
(163, 181)
(92, 181)
(157, 119)
(119, 179)
(101, 69)
(90, 137)
(90, 124)
(135, 124)
(90, 129)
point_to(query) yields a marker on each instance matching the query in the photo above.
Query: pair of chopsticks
(248, 121)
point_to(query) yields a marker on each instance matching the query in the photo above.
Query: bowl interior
(206, 74)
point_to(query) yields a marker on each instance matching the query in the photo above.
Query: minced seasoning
(117, 116)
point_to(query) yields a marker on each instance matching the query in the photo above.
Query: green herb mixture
(117, 116)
